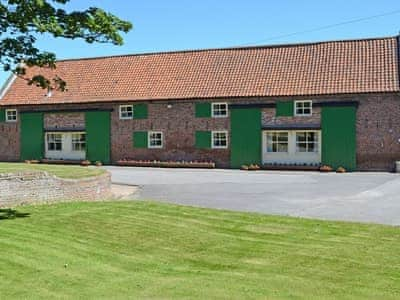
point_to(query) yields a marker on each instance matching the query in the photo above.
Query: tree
(21, 21)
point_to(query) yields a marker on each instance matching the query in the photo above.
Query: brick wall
(9, 141)
(378, 132)
(178, 124)
(378, 129)
(268, 118)
(34, 187)
(64, 120)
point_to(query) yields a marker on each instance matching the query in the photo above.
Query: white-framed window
(54, 142)
(78, 142)
(303, 108)
(155, 139)
(277, 141)
(11, 115)
(307, 141)
(126, 112)
(219, 139)
(219, 110)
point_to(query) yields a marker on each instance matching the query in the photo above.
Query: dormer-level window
(126, 112)
(303, 108)
(11, 115)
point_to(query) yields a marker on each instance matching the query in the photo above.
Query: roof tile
(338, 67)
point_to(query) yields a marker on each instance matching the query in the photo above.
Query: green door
(339, 137)
(245, 136)
(98, 136)
(32, 136)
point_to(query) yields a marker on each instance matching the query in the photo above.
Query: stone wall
(35, 187)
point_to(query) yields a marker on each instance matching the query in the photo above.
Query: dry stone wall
(36, 187)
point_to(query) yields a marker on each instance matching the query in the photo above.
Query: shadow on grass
(8, 213)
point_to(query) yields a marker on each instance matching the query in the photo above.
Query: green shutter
(2, 115)
(284, 109)
(245, 136)
(32, 136)
(203, 110)
(140, 111)
(339, 137)
(203, 139)
(140, 139)
(98, 136)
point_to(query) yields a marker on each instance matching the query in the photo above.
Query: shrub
(340, 170)
(325, 168)
(85, 163)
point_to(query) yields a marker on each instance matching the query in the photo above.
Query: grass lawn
(62, 171)
(150, 250)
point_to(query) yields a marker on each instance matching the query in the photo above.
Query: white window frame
(317, 144)
(303, 101)
(54, 141)
(213, 110)
(16, 115)
(155, 146)
(78, 142)
(274, 132)
(212, 139)
(120, 112)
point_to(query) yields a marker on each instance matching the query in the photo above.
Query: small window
(78, 142)
(219, 139)
(219, 110)
(155, 139)
(307, 142)
(54, 142)
(11, 115)
(303, 108)
(126, 112)
(277, 141)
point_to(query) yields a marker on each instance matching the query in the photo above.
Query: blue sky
(161, 25)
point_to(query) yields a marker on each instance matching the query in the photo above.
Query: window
(219, 139)
(78, 142)
(219, 110)
(303, 108)
(126, 112)
(307, 141)
(54, 142)
(155, 139)
(277, 141)
(11, 115)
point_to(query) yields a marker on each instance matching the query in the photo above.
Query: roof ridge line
(287, 45)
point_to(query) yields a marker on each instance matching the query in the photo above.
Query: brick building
(335, 103)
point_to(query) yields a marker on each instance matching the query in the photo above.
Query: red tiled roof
(338, 67)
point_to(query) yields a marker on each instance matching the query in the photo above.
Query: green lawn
(149, 250)
(62, 171)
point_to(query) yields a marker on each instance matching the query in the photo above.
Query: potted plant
(340, 170)
(325, 169)
(85, 163)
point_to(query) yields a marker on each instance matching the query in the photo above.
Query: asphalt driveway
(364, 197)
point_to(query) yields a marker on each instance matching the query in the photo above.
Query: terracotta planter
(85, 163)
